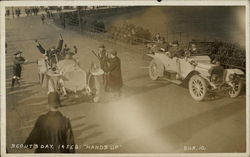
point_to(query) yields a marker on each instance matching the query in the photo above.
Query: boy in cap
(52, 129)
(17, 68)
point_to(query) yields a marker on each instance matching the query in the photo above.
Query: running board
(173, 81)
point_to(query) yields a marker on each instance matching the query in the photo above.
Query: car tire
(235, 92)
(154, 70)
(197, 87)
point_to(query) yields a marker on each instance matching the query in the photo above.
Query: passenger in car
(175, 50)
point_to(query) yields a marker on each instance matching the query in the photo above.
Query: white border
(120, 3)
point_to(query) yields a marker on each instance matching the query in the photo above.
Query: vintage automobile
(70, 78)
(198, 71)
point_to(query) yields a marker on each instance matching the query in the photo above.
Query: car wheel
(153, 70)
(197, 87)
(235, 91)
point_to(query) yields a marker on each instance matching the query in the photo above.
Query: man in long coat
(115, 82)
(52, 129)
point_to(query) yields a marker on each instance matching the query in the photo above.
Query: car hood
(203, 62)
(205, 65)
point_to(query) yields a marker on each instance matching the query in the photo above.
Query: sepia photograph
(117, 79)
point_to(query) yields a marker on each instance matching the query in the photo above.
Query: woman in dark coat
(115, 82)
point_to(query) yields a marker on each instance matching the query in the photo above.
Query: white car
(201, 75)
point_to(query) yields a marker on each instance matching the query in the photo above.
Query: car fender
(232, 71)
(194, 72)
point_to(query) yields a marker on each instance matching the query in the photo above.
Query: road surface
(150, 117)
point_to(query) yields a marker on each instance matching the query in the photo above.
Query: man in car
(193, 49)
(53, 52)
(175, 50)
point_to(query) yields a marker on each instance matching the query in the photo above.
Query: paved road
(150, 117)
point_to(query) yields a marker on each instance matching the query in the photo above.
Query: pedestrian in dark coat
(52, 129)
(17, 68)
(115, 82)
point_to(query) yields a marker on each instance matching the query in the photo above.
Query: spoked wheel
(235, 91)
(153, 70)
(197, 87)
(95, 87)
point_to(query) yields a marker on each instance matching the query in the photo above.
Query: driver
(175, 50)
(193, 49)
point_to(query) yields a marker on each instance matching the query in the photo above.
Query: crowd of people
(32, 11)
(29, 11)
(15, 12)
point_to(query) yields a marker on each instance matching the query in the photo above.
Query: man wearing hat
(17, 68)
(103, 58)
(175, 50)
(115, 82)
(52, 130)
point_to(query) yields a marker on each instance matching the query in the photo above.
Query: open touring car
(201, 74)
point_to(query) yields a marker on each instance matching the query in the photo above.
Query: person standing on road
(7, 12)
(53, 129)
(43, 18)
(6, 46)
(115, 82)
(103, 58)
(65, 50)
(17, 68)
(18, 12)
(75, 49)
